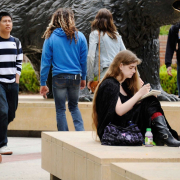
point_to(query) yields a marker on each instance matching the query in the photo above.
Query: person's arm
(171, 46)
(46, 61)
(123, 108)
(83, 61)
(19, 60)
(93, 41)
(83, 57)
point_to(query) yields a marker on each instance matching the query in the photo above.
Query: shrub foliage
(168, 83)
(164, 30)
(28, 81)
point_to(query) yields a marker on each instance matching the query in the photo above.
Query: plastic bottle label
(148, 140)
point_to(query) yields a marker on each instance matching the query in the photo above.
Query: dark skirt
(141, 115)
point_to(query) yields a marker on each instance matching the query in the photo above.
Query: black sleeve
(107, 96)
(106, 100)
(171, 45)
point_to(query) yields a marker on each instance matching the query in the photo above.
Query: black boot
(164, 136)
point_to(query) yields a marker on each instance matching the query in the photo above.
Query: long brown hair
(62, 18)
(104, 22)
(125, 57)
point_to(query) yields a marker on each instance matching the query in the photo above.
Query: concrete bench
(145, 171)
(77, 156)
(37, 114)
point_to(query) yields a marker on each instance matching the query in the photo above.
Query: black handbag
(119, 136)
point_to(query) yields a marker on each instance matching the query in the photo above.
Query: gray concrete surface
(25, 163)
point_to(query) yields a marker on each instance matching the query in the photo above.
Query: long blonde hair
(62, 18)
(125, 57)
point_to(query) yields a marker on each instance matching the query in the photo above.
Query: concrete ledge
(145, 171)
(172, 113)
(77, 156)
(37, 114)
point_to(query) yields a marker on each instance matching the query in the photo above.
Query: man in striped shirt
(11, 58)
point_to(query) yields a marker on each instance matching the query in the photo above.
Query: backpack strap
(17, 44)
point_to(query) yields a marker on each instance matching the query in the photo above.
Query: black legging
(143, 111)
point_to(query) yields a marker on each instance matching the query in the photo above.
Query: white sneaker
(5, 150)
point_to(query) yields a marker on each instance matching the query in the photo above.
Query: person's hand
(141, 82)
(88, 84)
(17, 81)
(144, 90)
(169, 71)
(44, 90)
(17, 78)
(83, 84)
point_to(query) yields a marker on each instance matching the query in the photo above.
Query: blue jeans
(8, 106)
(178, 79)
(67, 84)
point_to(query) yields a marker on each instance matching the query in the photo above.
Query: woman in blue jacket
(66, 49)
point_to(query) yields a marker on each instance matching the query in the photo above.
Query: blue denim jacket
(108, 50)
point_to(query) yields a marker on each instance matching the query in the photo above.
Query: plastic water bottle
(148, 138)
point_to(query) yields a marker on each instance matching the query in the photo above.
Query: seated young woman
(116, 101)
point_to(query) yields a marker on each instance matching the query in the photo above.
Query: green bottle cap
(148, 129)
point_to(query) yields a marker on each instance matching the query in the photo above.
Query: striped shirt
(10, 60)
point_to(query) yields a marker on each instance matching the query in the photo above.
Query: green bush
(168, 83)
(164, 30)
(28, 81)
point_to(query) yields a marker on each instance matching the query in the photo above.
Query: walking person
(173, 44)
(66, 49)
(110, 44)
(11, 57)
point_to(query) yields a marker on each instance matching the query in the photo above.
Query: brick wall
(163, 41)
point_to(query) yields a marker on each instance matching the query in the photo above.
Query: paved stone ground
(25, 163)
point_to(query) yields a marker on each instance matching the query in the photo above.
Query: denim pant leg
(3, 115)
(73, 97)
(12, 99)
(59, 87)
(178, 79)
